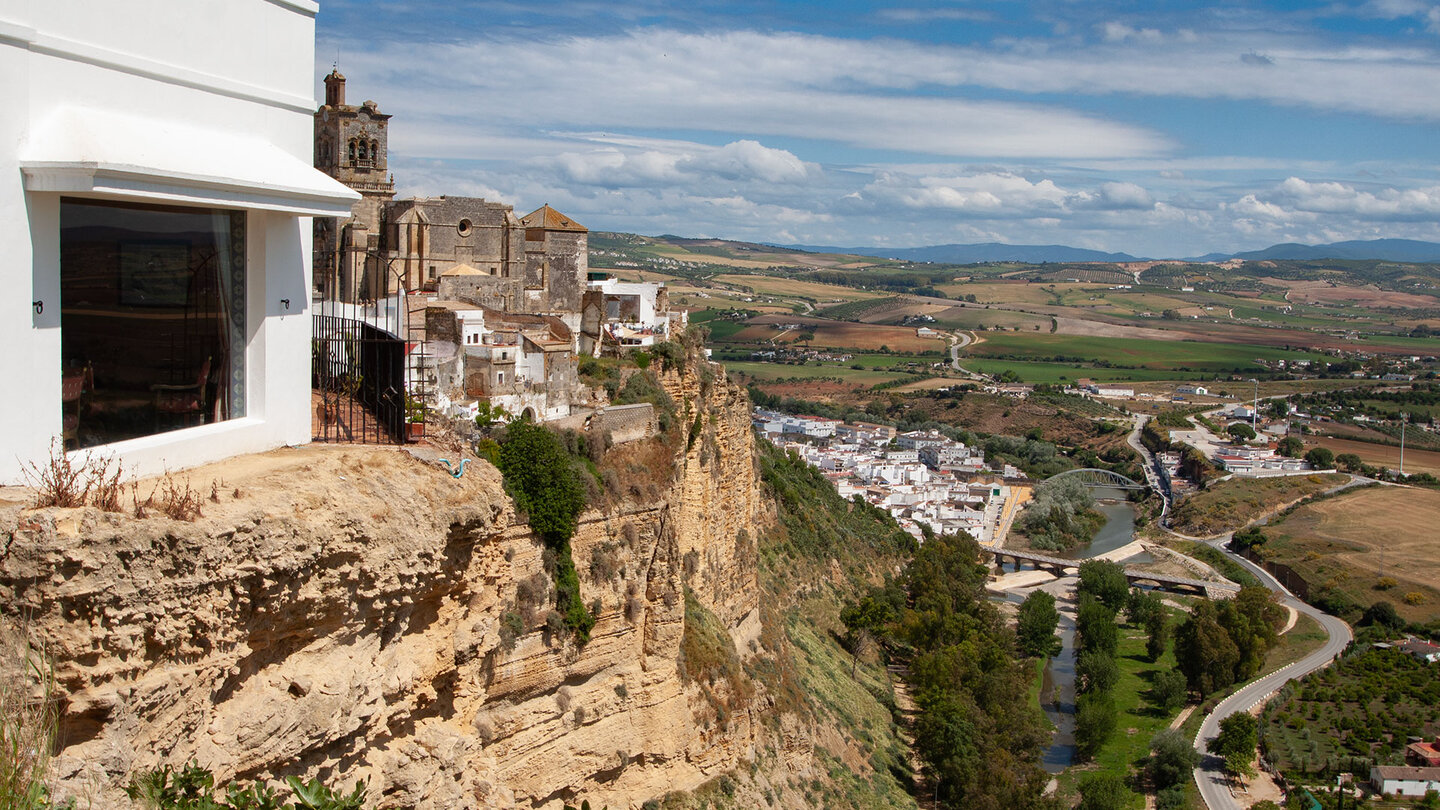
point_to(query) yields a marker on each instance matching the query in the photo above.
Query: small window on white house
(500, 377)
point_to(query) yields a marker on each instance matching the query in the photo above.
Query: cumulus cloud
(1420, 204)
(621, 164)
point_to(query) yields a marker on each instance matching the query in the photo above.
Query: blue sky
(1157, 129)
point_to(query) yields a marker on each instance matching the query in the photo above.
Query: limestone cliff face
(356, 613)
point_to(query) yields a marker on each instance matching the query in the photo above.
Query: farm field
(1381, 455)
(1131, 352)
(973, 317)
(1033, 372)
(1357, 712)
(1338, 543)
(781, 371)
(780, 285)
(840, 334)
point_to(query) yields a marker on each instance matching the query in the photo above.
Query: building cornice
(17, 35)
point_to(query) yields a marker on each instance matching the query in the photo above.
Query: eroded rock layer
(357, 613)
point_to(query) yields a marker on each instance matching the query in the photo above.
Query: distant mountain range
(1390, 250)
(1385, 250)
(972, 254)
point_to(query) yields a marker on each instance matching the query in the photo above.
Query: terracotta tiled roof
(463, 270)
(551, 220)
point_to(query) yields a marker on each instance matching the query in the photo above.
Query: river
(1057, 692)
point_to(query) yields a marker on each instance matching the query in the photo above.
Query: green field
(1032, 372)
(1136, 353)
(780, 371)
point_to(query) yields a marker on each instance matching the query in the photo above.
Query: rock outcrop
(357, 613)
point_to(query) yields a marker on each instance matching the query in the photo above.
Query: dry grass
(1347, 534)
(28, 716)
(174, 498)
(59, 481)
(772, 285)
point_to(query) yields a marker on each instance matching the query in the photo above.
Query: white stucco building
(156, 202)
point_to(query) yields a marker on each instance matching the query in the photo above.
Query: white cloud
(1120, 32)
(1378, 204)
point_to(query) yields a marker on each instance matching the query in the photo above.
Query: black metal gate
(361, 358)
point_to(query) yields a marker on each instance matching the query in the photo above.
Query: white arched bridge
(1095, 477)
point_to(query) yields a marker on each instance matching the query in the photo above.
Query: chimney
(335, 89)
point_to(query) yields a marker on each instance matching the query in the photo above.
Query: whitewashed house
(156, 207)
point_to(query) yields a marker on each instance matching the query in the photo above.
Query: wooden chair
(72, 395)
(184, 400)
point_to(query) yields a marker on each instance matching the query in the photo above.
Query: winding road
(1210, 775)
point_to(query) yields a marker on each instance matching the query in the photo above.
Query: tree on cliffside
(541, 476)
(542, 480)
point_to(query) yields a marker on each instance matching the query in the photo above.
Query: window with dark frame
(152, 318)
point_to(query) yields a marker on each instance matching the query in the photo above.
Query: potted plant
(414, 419)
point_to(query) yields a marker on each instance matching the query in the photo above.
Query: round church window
(465, 227)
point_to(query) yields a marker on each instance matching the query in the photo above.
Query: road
(958, 341)
(1151, 465)
(1210, 775)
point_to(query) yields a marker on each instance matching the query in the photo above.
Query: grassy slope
(1231, 504)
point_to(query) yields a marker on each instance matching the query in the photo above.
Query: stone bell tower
(351, 145)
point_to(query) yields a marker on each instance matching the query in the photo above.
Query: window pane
(152, 318)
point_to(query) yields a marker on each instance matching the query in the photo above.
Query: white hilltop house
(157, 204)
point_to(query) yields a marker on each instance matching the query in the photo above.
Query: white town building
(156, 212)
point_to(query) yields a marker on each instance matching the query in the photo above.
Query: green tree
(1157, 634)
(1321, 458)
(1382, 614)
(1095, 721)
(1204, 651)
(1095, 671)
(1095, 625)
(1141, 605)
(1252, 619)
(1247, 538)
(1291, 446)
(1168, 689)
(1105, 580)
(540, 477)
(1236, 743)
(1103, 791)
(1036, 626)
(1172, 758)
(1350, 462)
(1240, 432)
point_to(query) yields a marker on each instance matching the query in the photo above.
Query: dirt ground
(1355, 526)
(1322, 292)
(840, 334)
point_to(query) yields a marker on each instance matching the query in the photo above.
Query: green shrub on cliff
(545, 482)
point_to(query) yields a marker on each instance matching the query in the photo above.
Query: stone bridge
(1133, 574)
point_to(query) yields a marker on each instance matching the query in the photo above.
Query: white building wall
(241, 69)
